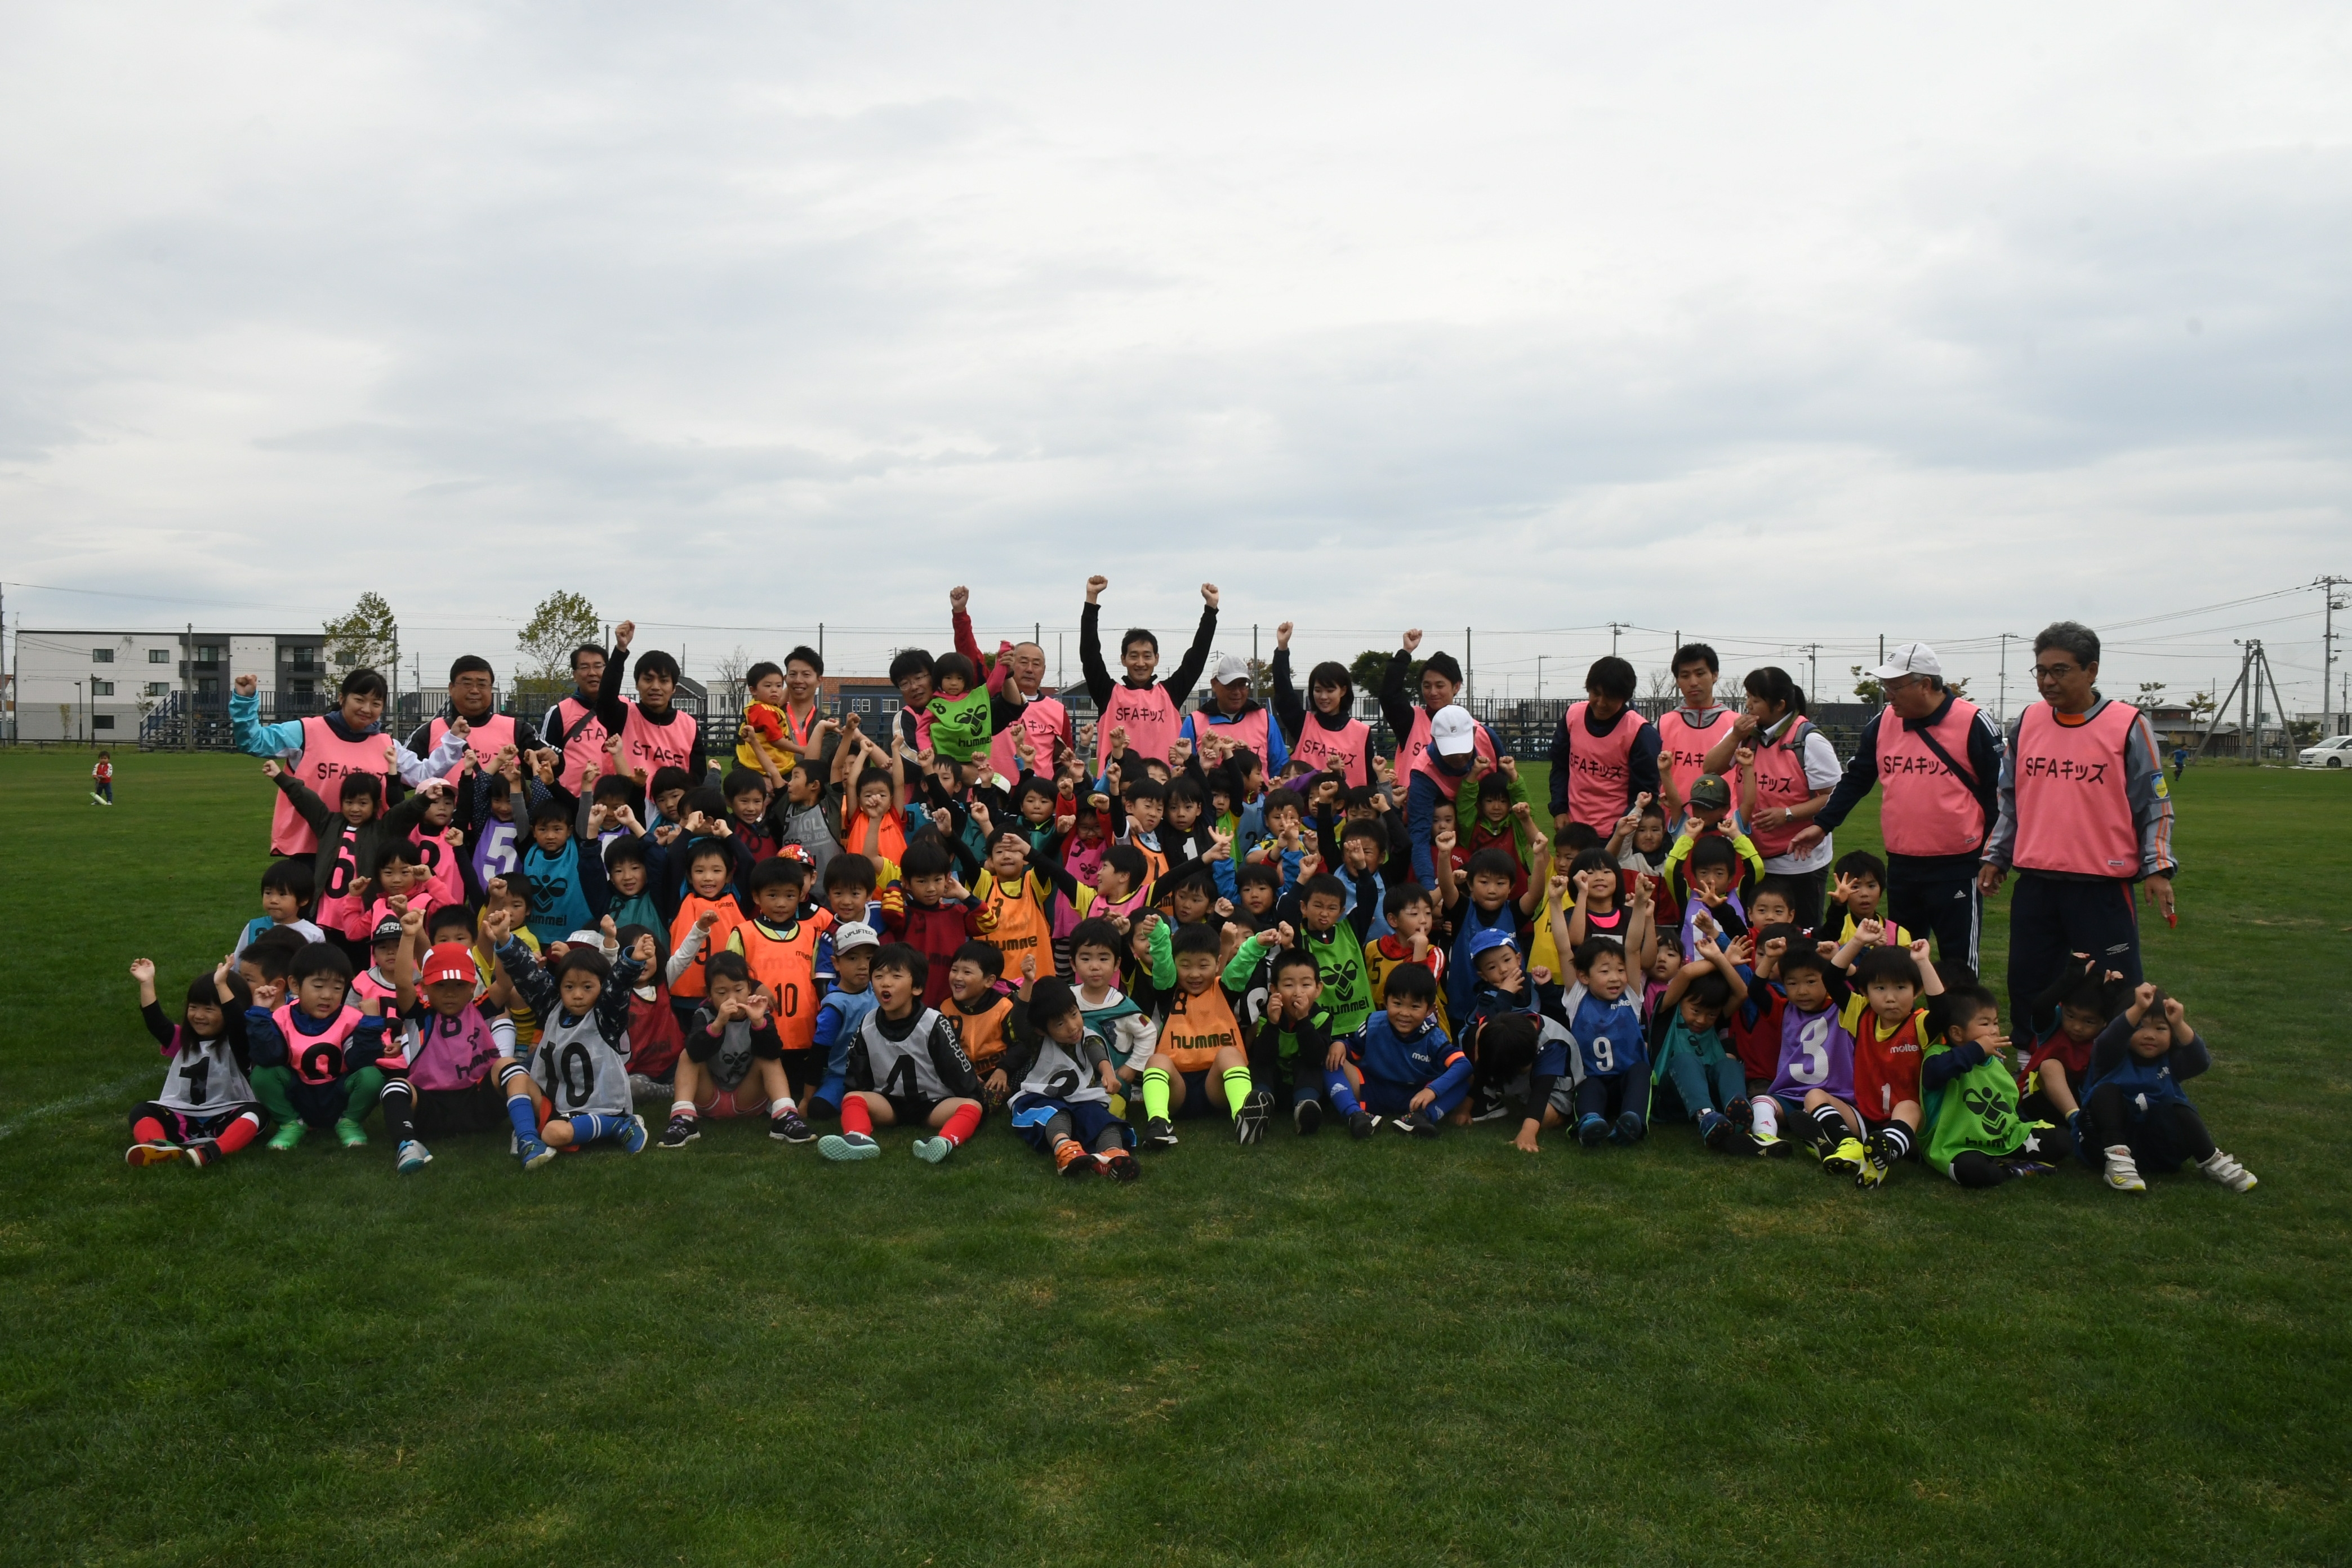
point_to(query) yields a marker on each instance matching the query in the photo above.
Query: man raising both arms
(1147, 708)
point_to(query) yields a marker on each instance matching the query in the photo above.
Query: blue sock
(525, 1119)
(587, 1127)
(1341, 1094)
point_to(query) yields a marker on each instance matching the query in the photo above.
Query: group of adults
(2072, 800)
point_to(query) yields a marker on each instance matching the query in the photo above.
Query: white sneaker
(2228, 1171)
(2123, 1172)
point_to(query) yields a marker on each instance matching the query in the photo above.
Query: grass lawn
(1310, 1351)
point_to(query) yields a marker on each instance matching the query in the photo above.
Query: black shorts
(804, 1068)
(911, 1110)
(481, 1109)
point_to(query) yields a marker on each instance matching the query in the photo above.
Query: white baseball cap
(1230, 669)
(852, 935)
(1452, 732)
(1911, 658)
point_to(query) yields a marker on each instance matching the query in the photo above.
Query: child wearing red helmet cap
(438, 1076)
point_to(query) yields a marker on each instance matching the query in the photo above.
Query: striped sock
(1898, 1140)
(1237, 1089)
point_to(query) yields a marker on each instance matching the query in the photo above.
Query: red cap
(450, 961)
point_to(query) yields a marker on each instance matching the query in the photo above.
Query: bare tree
(730, 670)
(1659, 689)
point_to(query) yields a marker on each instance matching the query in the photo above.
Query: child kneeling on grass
(578, 1078)
(1975, 1133)
(1065, 1078)
(2133, 1110)
(904, 1068)
(315, 1055)
(206, 1108)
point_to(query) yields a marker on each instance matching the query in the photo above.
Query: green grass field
(1310, 1351)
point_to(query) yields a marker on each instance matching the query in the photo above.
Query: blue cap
(1487, 940)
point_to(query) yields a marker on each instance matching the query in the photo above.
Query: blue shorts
(1089, 1120)
(1196, 1098)
(1382, 1098)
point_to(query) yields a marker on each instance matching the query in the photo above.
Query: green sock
(1236, 1091)
(1155, 1092)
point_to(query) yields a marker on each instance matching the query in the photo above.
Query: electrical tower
(2253, 674)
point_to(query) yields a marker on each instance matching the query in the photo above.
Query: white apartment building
(100, 685)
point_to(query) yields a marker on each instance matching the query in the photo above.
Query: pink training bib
(326, 760)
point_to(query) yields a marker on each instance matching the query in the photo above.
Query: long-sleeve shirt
(1425, 1059)
(1206, 716)
(544, 994)
(1640, 762)
(284, 739)
(613, 712)
(1985, 751)
(2151, 803)
(1179, 686)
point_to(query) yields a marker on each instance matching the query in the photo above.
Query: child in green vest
(1974, 1134)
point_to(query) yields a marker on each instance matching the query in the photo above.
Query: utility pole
(1614, 627)
(1252, 650)
(1539, 659)
(187, 689)
(2327, 652)
(2003, 718)
(1881, 650)
(1469, 670)
(1812, 651)
(1057, 661)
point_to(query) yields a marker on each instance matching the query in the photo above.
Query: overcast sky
(1807, 322)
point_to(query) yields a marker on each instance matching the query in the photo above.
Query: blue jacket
(1427, 1059)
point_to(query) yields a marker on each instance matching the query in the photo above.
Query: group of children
(1204, 916)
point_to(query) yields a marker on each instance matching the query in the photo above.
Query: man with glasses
(1937, 758)
(2084, 816)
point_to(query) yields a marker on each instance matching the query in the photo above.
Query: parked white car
(2336, 752)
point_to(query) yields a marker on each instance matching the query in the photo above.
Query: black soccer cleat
(1491, 1104)
(1306, 1115)
(682, 1130)
(1362, 1125)
(1249, 1123)
(1415, 1124)
(1159, 1133)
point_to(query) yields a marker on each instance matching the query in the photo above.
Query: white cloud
(1804, 324)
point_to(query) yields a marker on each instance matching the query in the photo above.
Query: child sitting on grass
(904, 1068)
(1401, 1067)
(1065, 1080)
(1611, 1097)
(1812, 1074)
(1689, 1055)
(446, 1047)
(2133, 1107)
(2082, 997)
(207, 1109)
(579, 1076)
(733, 1063)
(1975, 1132)
(980, 1014)
(1200, 1065)
(315, 1055)
(1890, 1031)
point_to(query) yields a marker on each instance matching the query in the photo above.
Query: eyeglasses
(2054, 672)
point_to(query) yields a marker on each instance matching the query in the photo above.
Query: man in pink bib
(1146, 708)
(1936, 757)
(2084, 816)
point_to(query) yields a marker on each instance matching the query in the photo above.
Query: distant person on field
(101, 781)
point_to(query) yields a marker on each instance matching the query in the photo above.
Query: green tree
(563, 621)
(1867, 687)
(1371, 668)
(367, 637)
